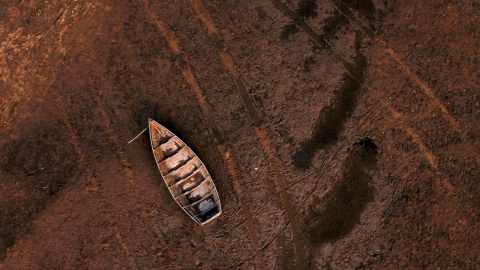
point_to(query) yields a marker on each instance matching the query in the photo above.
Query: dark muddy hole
(288, 30)
(335, 215)
(332, 24)
(307, 8)
(365, 8)
(331, 120)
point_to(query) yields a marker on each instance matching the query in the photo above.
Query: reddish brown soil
(340, 134)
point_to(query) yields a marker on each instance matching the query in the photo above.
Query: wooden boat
(184, 174)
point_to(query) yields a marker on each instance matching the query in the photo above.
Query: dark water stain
(332, 24)
(261, 13)
(365, 8)
(367, 143)
(385, 8)
(307, 9)
(288, 30)
(307, 62)
(34, 167)
(331, 119)
(336, 214)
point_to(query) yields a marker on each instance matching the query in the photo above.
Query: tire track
(331, 119)
(379, 109)
(92, 186)
(369, 32)
(246, 212)
(362, 126)
(415, 138)
(92, 182)
(226, 58)
(347, 12)
(318, 170)
(260, 129)
(317, 38)
(22, 93)
(405, 68)
(73, 137)
(321, 170)
(17, 41)
(427, 90)
(285, 196)
(184, 65)
(126, 166)
(187, 72)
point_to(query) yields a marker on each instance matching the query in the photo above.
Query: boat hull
(185, 175)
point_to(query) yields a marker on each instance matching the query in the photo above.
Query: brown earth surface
(340, 134)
